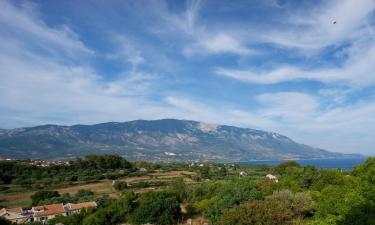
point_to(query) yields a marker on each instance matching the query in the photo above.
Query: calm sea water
(322, 163)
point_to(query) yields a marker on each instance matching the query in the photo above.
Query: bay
(344, 163)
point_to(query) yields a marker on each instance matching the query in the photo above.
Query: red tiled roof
(3, 211)
(15, 210)
(41, 207)
(50, 210)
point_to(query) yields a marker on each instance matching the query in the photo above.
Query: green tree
(43, 195)
(120, 185)
(366, 171)
(282, 167)
(160, 208)
(178, 185)
(113, 214)
(4, 221)
(267, 212)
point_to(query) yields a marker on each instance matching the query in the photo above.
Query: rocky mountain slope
(166, 139)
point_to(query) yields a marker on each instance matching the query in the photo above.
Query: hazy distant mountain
(166, 139)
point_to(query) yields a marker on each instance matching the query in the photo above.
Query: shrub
(120, 185)
(43, 195)
(161, 208)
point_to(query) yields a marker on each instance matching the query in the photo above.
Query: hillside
(166, 139)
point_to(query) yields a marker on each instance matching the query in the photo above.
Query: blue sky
(305, 69)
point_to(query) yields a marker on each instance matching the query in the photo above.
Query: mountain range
(160, 140)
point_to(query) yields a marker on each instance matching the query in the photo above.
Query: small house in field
(15, 215)
(72, 208)
(243, 174)
(272, 177)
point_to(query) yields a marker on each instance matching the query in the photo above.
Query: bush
(43, 195)
(120, 185)
(282, 167)
(4, 221)
(161, 208)
(113, 214)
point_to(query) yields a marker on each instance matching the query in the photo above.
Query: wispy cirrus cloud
(325, 25)
(127, 53)
(200, 38)
(357, 70)
(187, 108)
(339, 127)
(23, 21)
(37, 88)
(219, 43)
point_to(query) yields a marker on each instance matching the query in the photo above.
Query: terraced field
(103, 187)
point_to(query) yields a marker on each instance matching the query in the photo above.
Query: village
(39, 162)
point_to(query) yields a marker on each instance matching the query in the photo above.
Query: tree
(120, 185)
(268, 211)
(230, 194)
(179, 186)
(345, 205)
(282, 167)
(113, 214)
(4, 221)
(43, 195)
(281, 208)
(160, 208)
(366, 171)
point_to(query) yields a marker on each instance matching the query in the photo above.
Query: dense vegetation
(92, 168)
(304, 195)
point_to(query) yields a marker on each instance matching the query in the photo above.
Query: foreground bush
(160, 208)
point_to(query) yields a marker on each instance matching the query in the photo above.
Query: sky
(304, 69)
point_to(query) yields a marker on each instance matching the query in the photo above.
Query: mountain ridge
(161, 140)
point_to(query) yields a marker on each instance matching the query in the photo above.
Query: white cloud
(347, 128)
(127, 52)
(357, 70)
(219, 114)
(201, 39)
(217, 44)
(191, 14)
(56, 93)
(36, 88)
(327, 24)
(288, 106)
(260, 77)
(25, 22)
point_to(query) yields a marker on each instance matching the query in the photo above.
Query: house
(243, 174)
(46, 212)
(72, 208)
(16, 215)
(272, 177)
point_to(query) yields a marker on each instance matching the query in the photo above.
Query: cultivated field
(102, 187)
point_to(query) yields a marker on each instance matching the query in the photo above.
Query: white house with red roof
(44, 212)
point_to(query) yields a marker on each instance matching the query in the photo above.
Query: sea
(344, 163)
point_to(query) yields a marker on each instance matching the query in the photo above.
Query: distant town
(39, 162)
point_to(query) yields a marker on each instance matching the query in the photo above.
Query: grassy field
(103, 187)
